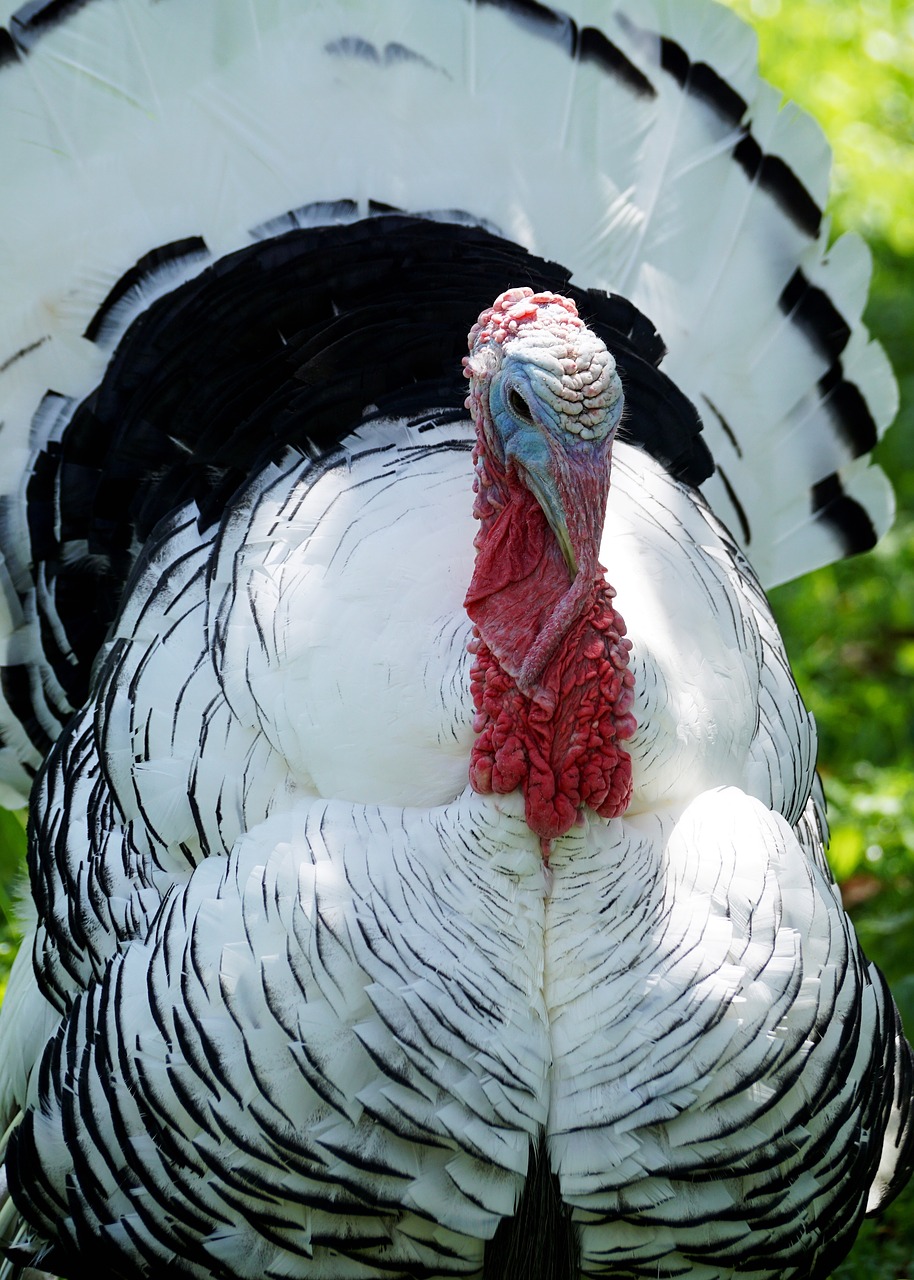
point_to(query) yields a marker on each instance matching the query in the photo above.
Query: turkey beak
(542, 485)
(527, 447)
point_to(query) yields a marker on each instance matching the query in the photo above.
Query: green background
(849, 628)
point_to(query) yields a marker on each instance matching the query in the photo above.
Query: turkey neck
(550, 681)
(524, 596)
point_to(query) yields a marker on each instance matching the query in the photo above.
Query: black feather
(294, 340)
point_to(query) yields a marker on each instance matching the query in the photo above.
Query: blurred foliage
(12, 863)
(851, 64)
(849, 628)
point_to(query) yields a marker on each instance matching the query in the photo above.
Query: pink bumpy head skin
(550, 681)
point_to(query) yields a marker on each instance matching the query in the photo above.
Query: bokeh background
(849, 628)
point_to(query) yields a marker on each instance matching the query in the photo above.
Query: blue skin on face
(529, 429)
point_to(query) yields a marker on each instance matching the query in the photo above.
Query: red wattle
(559, 742)
(518, 580)
(569, 756)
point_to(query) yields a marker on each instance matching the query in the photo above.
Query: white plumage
(299, 1001)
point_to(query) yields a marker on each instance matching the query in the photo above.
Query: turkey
(408, 900)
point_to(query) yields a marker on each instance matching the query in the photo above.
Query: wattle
(560, 742)
(518, 579)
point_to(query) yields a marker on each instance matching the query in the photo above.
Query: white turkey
(400, 910)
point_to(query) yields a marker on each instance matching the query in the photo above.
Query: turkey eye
(519, 405)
